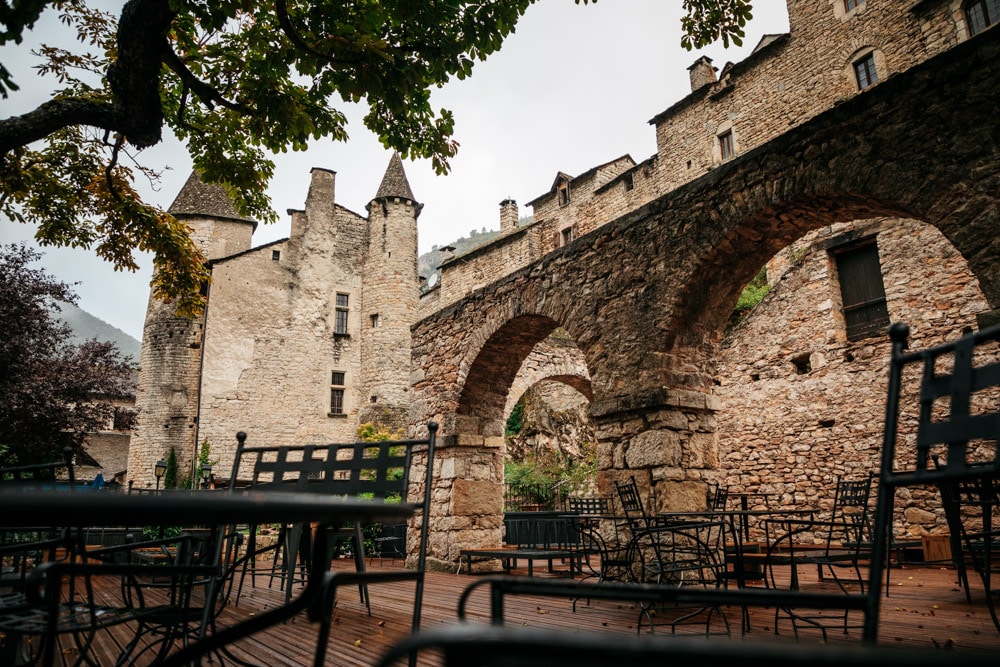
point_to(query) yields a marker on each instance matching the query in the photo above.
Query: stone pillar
(666, 438)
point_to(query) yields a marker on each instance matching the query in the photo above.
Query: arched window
(981, 14)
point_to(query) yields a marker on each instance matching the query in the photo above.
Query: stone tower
(390, 300)
(167, 396)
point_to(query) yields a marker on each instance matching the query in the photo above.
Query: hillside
(85, 327)
(429, 261)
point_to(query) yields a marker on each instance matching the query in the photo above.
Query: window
(629, 182)
(851, 5)
(981, 14)
(375, 321)
(563, 194)
(726, 145)
(275, 255)
(567, 235)
(864, 71)
(340, 320)
(862, 291)
(337, 393)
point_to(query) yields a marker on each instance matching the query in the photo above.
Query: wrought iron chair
(942, 430)
(52, 596)
(845, 545)
(384, 470)
(675, 552)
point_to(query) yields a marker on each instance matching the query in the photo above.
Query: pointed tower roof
(199, 198)
(394, 183)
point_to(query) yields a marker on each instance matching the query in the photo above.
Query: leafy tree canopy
(50, 390)
(235, 81)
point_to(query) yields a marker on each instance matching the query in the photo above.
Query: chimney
(702, 73)
(508, 216)
(445, 253)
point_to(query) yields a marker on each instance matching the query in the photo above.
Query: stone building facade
(761, 155)
(302, 339)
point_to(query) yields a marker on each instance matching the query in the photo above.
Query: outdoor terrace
(926, 608)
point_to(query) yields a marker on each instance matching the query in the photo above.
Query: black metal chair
(837, 545)
(379, 470)
(942, 430)
(51, 594)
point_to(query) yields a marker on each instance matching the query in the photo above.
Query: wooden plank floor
(925, 608)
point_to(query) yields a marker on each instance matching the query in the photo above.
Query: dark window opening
(862, 291)
(981, 14)
(802, 364)
(850, 5)
(568, 235)
(864, 71)
(275, 255)
(629, 183)
(564, 194)
(375, 321)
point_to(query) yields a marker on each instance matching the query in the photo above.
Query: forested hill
(85, 326)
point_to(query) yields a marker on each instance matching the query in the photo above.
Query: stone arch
(557, 359)
(646, 297)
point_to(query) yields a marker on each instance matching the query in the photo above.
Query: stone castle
(302, 339)
(305, 338)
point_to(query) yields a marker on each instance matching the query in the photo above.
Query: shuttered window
(862, 291)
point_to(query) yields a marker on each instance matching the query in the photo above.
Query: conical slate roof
(198, 198)
(394, 183)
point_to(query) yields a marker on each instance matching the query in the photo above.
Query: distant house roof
(199, 198)
(564, 177)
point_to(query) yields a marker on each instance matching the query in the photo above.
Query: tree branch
(206, 93)
(54, 115)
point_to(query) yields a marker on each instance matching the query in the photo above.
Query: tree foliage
(51, 392)
(236, 82)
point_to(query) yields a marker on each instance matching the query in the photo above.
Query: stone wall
(800, 404)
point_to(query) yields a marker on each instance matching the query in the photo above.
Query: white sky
(574, 87)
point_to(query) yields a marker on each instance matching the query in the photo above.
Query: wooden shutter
(862, 291)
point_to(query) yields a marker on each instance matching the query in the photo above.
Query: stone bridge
(646, 297)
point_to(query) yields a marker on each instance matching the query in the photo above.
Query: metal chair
(51, 594)
(942, 430)
(383, 470)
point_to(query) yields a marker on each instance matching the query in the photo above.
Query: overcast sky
(573, 88)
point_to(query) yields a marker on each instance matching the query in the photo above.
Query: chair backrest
(592, 505)
(942, 426)
(850, 508)
(631, 501)
(719, 497)
(382, 470)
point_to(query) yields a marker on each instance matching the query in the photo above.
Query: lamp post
(206, 475)
(158, 470)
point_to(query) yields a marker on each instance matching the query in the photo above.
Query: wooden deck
(925, 608)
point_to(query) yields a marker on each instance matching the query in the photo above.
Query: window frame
(990, 15)
(338, 389)
(865, 63)
(727, 145)
(874, 304)
(342, 310)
